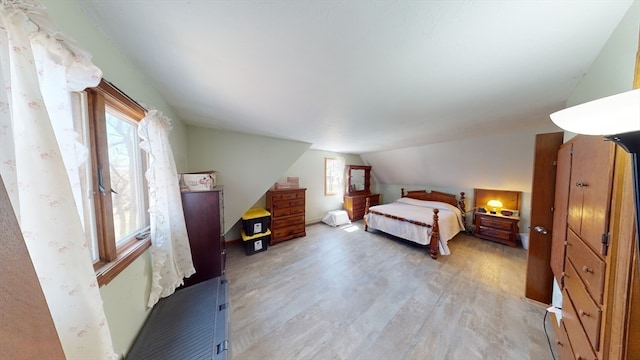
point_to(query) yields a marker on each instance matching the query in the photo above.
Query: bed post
(434, 245)
(367, 203)
(461, 203)
(463, 207)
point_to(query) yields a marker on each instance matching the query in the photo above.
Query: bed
(427, 218)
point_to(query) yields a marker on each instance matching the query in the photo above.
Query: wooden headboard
(510, 199)
(436, 196)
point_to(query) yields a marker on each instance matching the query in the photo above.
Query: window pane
(333, 171)
(86, 206)
(126, 175)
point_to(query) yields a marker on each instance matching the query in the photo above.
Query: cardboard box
(198, 181)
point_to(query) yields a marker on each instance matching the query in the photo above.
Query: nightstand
(498, 228)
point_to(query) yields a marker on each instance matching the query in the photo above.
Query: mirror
(358, 179)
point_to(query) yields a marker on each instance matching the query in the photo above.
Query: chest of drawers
(287, 208)
(502, 229)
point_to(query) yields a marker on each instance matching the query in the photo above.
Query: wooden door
(539, 277)
(559, 233)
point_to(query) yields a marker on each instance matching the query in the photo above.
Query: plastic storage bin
(256, 243)
(255, 221)
(524, 238)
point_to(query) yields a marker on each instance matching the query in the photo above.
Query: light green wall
(125, 302)
(247, 165)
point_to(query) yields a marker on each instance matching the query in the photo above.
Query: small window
(333, 176)
(116, 203)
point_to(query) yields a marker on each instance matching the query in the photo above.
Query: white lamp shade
(616, 114)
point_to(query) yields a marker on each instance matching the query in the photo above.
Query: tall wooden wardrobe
(593, 251)
(203, 215)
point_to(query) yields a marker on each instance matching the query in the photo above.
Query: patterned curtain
(40, 67)
(170, 251)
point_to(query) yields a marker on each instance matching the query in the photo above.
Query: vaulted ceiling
(361, 76)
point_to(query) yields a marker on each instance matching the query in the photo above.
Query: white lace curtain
(40, 67)
(170, 250)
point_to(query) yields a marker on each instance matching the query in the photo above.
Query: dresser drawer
(288, 232)
(577, 337)
(287, 221)
(493, 233)
(587, 310)
(494, 222)
(279, 212)
(362, 200)
(288, 196)
(591, 269)
(358, 207)
(287, 203)
(564, 347)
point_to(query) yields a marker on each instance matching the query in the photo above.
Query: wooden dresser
(203, 215)
(357, 190)
(354, 204)
(287, 208)
(498, 228)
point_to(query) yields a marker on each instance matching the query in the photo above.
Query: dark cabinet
(203, 215)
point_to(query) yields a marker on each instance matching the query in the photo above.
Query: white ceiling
(361, 76)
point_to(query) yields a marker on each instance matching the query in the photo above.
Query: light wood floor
(336, 294)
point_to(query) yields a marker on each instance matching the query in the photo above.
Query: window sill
(107, 271)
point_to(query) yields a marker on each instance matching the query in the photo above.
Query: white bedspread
(449, 220)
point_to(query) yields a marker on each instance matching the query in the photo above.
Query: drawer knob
(559, 343)
(584, 313)
(587, 269)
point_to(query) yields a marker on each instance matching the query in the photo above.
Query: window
(333, 176)
(115, 210)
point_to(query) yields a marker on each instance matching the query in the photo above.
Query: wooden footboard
(435, 228)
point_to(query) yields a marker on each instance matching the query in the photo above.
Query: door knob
(541, 230)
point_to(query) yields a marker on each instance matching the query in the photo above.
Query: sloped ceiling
(361, 76)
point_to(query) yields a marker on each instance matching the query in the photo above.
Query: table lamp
(494, 204)
(615, 117)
